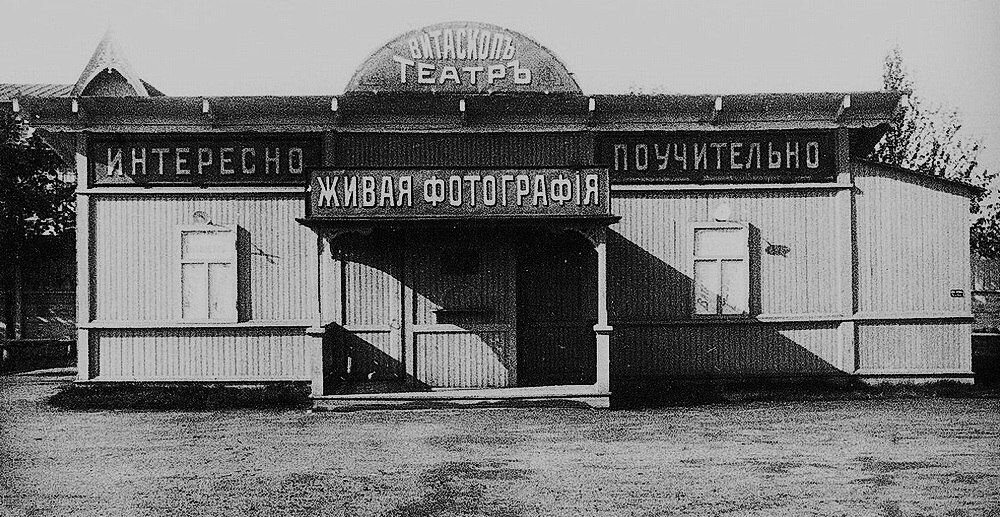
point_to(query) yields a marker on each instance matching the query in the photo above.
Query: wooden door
(460, 302)
(372, 291)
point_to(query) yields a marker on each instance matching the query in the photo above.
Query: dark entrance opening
(557, 309)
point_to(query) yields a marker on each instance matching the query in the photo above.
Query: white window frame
(227, 257)
(744, 257)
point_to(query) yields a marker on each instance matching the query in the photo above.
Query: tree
(928, 138)
(34, 203)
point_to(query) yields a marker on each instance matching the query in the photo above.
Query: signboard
(422, 193)
(203, 159)
(718, 157)
(463, 57)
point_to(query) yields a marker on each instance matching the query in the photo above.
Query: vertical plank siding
(909, 261)
(726, 350)
(464, 359)
(461, 330)
(898, 347)
(201, 354)
(649, 252)
(135, 255)
(910, 258)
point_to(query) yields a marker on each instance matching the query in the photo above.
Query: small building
(464, 223)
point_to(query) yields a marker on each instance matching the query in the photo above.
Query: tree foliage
(34, 203)
(34, 200)
(928, 138)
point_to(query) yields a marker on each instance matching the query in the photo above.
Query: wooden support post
(846, 257)
(83, 287)
(316, 333)
(602, 328)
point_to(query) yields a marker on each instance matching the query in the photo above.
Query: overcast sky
(199, 47)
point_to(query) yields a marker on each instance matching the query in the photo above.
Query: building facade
(464, 223)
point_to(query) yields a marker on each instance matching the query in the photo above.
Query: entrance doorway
(427, 308)
(557, 310)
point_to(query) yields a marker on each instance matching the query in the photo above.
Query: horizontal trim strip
(450, 329)
(160, 191)
(173, 325)
(216, 380)
(175, 191)
(916, 372)
(728, 186)
(801, 318)
(368, 329)
(872, 316)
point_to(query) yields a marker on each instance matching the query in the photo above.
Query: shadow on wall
(245, 267)
(658, 344)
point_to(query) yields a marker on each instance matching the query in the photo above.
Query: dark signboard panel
(442, 150)
(463, 57)
(203, 159)
(428, 193)
(718, 157)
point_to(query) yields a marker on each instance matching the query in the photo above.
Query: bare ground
(935, 457)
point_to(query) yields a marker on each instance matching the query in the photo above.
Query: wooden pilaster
(83, 276)
(602, 328)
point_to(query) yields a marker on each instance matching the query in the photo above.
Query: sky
(252, 47)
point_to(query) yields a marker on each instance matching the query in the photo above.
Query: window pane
(221, 298)
(721, 242)
(194, 296)
(706, 287)
(735, 287)
(203, 245)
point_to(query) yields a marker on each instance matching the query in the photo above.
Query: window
(721, 270)
(208, 273)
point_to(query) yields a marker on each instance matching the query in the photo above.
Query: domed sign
(463, 57)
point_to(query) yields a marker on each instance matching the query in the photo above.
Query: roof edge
(972, 189)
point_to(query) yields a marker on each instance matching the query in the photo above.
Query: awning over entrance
(443, 281)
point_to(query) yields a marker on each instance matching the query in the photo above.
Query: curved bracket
(595, 235)
(330, 235)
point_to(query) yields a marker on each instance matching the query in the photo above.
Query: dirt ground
(935, 457)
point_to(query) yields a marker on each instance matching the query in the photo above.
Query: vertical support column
(316, 332)
(83, 287)
(846, 258)
(602, 329)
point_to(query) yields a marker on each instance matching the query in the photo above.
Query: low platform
(585, 396)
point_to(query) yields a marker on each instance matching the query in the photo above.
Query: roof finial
(109, 57)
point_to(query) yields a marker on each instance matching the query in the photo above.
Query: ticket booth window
(721, 271)
(208, 274)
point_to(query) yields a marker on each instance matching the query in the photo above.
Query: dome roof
(463, 58)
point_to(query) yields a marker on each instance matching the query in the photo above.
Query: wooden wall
(206, 354)
(796, 279)
(134, 311)
(919, 347)
(912, 251)
(726, 350)
(913, 245)
(888, 311)
(649, 251)
(135, 255)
